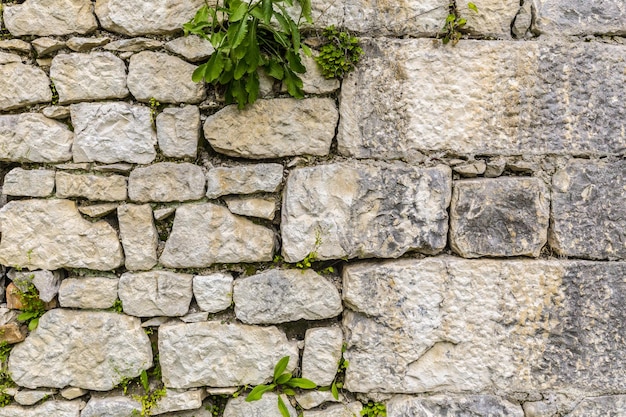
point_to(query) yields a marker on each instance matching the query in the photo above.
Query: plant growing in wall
(454, 24)
(339, 54)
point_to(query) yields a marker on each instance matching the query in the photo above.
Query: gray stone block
(580, 17)
(452, 406)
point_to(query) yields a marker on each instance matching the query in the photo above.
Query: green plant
(5, 378)
(55, 101)
(306, 262)
(149, 401)
(154, 110)
(454, 22)
(117, 306)
(245, 40)
(339, 54)
(372, 409)
(217, 404)
(32, 307)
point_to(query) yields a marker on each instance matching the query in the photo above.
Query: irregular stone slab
(155, 293)
(50, 17)
(79, 44)
(253, 207)
(493, 19)
(113, 132)
(313, 81)
(267, 406)
(453, 406)
(346, 210)
(136, 17)
(166, 181)
(312, 399)
(31, 137)
(342, 410)
(47, 283)
(133, 45)
(22, 85)
(579, 17)
(221, 355)
(30, 397)
(15, 45)
(92, 350)
(111, 407)
(73, 393)
(213, 292)
(7, 58)
(589, 210)
(88, 292)
(139, 236)
(204, 234)
(29, 183)
(45, 46)
(523, 85)
(12, 333)
(600, 406)
(303, 294)
(92, 187)
(244, 179)
(539, 408)
(322, 353)
(193, 48)
(47, 409)
(98, 210)
(274, 128)
(175, 400)
(499, 217)
(163, 77)
(56, 112)
(178, 131)
(484, 326)
(88, 77)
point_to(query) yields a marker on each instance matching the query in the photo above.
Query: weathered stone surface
(155, 293)
(522, 96)
(345, 210)
(452, 406)
(166, 181)
(92, 350)
(30, 397)
(133, 45)
(267, 406)
(31, 137)
(88, 292)
(493, 19)
(244, 179)
(47, 283)
(322, 353)
(580, 17)
(15, 45)
(484, 326)
(204, 234)
(314, 82)
(45, 46)
(539, 409)
(139, 236)
(274, 128)
(163, 213)
(13, 297)
(7, 58)
(302, 294)
(90, 186)
(11, 333)
(98, 210)
(213, 292)
(29, 183)
(471, 169)
(88, 77)
(614, 405)
(73, 393)
(22, 85)
(341, 410)
(312, 399)
(193, 48)
(113, 132)
(50, 17)
(163, 77)
(589, 210)
(79, 44)
(221, 355)
(263, 208)
(51, 234)
(111, 407)
(178, 131)
(137, 17)
(47, 409)
(506, 216)
(56, 112)
(175, 400)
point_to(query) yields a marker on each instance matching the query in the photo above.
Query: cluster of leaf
(5, 378)
(454, 23)
(339, 54)
(32, 307)
(372, 409)
(245, 40)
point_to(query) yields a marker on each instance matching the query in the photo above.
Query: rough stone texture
(493, 19)
(484, 326)
(30, 397)
(178, 401)
(302, 294)
(314, 398)
(346, 210)
(580, 17)
(193, 48)
(614, 405)
(499, 217)
(110, 407)
(91, 350)
(221, 355)
(50, 17)
(178, 131)
(46, 282)
(73, 393)
(452, 406)
(47, 409)
(322, 353)
(539, 409)
(11, 333)
(31, 137)
(166, 181)
(525, 98)
(45, 46)
(251, 206)
(88, 292)
(29, 183)
(274, 128)
(7, 58)
(139, 236)
(133, 45)
(92, 187)
(15, 45)
(155, 293)
(163, 77)
(51, 234)
(56, 112)
(204, 234)
(314, 82)
(213, 292)
(88, 77)
(589, 210)
(22, 85)
(352, 409)
(267, 406)
(244, 179)
(138, 17)
(79, 44)
(113, 132)
(98, 210)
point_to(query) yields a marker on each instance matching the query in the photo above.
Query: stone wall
(463, 208)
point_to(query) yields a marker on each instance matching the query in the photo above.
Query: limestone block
(51, 234)
(31, 137)
(12, 333)
(495, 98)
(267, 406)
(539, 409)
(341, 410)
(155, 293)
(88, 292)
(204, 234)
(56, 112)
(88, 77)
(213, 292)
(345, 210)
(312, 399)
(580, 17)
(45, 46)
(133, 45)
(178, 131)
(313, 81)
(221, 355)
(450, 405)
(30, 397)
(90, 186)
(15, 45)
(111, 407)
(244, 179)
(166, 181)
(193, 48)
(175, 400)
(29, 183)
(72, 393)
(139, 236)
(589, 210)
(112, 132)
(505, 216)
(322, 353)
(163, 77)
(47, 409)
(279, 296)
(50, 17)
(47, 283)
(7, 58)
(79, 44)
(263, 208)
(98, 210)
(493, 19)
(600, 406)
(91, 350)
(274, 128)
(22, 85)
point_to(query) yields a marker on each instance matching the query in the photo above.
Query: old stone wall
(452, 217)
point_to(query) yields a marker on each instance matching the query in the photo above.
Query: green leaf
(301, 383)
(472, 7)
(238, 93)
(282, 407)
(280, 367)
(333, 390)
(284, 378)
(240, 69)
(252, 87)
(33, 324)
(275, 70)
(288, 391)
(306, 10)
(237, 33)
(238, 13)
(215, 66)
(461, 22)
(267, 11)
(450, 18)
(293, 83)
(27, 315)
(198, 74)
(306, 50)
(294, 62)
(144, 381)
(258, 392)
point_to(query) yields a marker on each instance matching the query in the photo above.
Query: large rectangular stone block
(580, 17)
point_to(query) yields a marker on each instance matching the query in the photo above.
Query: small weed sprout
(454, 23)
(339, 54)
(117, 306)
(154, 110)
(372, 409)
(32, 307)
